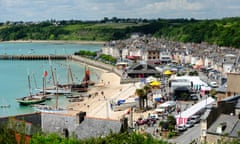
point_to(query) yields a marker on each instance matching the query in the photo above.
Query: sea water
(14, 73)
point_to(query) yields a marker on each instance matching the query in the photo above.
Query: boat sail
(53, 89)
(79, 87)
(50, 109)
(32, 98)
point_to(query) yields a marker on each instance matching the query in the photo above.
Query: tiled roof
(92, 127)
(231, 122)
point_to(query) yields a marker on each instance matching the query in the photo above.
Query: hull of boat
(56, 91)
(29, 102)
(48, 109)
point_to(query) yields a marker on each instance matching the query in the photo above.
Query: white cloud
(34, 10)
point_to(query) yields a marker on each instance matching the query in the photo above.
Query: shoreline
(106, 90)
(55, 41)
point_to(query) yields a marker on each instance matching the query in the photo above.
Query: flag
(45, 73)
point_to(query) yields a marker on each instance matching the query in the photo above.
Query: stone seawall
(107, 67)
(97, 64)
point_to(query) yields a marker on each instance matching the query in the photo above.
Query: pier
(34, 57)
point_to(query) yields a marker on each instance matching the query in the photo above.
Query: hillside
(223, 32)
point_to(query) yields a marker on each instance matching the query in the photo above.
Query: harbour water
(13, 73)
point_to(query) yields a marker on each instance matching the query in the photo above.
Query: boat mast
(44, 83)
(53, 78)
(35, 82)
(70, 74)
(57, 95)
(29, 85)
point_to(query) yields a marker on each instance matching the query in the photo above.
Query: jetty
(34, 57)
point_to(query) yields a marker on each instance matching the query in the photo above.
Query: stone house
(66, 125)
(221, 121)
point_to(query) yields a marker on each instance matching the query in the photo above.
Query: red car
(140, 121)
(148, 121)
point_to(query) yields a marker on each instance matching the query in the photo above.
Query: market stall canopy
(167, 72)
(155, 83)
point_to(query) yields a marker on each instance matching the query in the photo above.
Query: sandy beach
(109, 88)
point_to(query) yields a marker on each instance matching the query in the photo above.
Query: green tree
(141, 94)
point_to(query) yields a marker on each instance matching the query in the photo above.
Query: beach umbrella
(167, 72)
(155, 83)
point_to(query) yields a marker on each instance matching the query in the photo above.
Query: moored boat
(5, 106)
(49, 109)
(54, 90)
(32, 99)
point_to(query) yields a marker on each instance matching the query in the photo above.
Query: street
(188, 136)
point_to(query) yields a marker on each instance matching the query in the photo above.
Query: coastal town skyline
(40, 10)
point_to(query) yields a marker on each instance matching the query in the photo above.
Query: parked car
(150, 121)
(213, 84)
(181, 127)
(154, 116)
(195, 119)
(194, 97)
(189, 124)
(140, 121)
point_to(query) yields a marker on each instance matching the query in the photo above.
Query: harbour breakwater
(34, 57)
(83, 60)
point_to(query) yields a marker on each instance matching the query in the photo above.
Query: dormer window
(222, 126)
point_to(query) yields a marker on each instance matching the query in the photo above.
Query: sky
(41, 10)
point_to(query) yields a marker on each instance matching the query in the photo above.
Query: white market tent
(197, 82)
(162, 107)
(150, 79)
(182, 117)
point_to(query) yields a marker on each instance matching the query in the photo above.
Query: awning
(155, 83)
(167, 72)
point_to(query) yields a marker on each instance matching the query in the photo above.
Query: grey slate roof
(231, 98)
(232, 125)
(92, 127)
(142, 68)
(89, 127)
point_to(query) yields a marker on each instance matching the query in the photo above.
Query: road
(188, 136)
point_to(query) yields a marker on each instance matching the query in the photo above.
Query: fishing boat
(50, 109)
(60, 89)
(53, 90)
(71, 96)
(86, 80)
(32, 98)
(78, 87)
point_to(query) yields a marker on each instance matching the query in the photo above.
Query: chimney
(80, 117)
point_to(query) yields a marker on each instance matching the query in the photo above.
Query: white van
(195, 119)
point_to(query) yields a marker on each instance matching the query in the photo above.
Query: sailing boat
(32, 98)
(82, 87)
(78, 87)
(53, 89)
(86, 79)
(50, 109)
